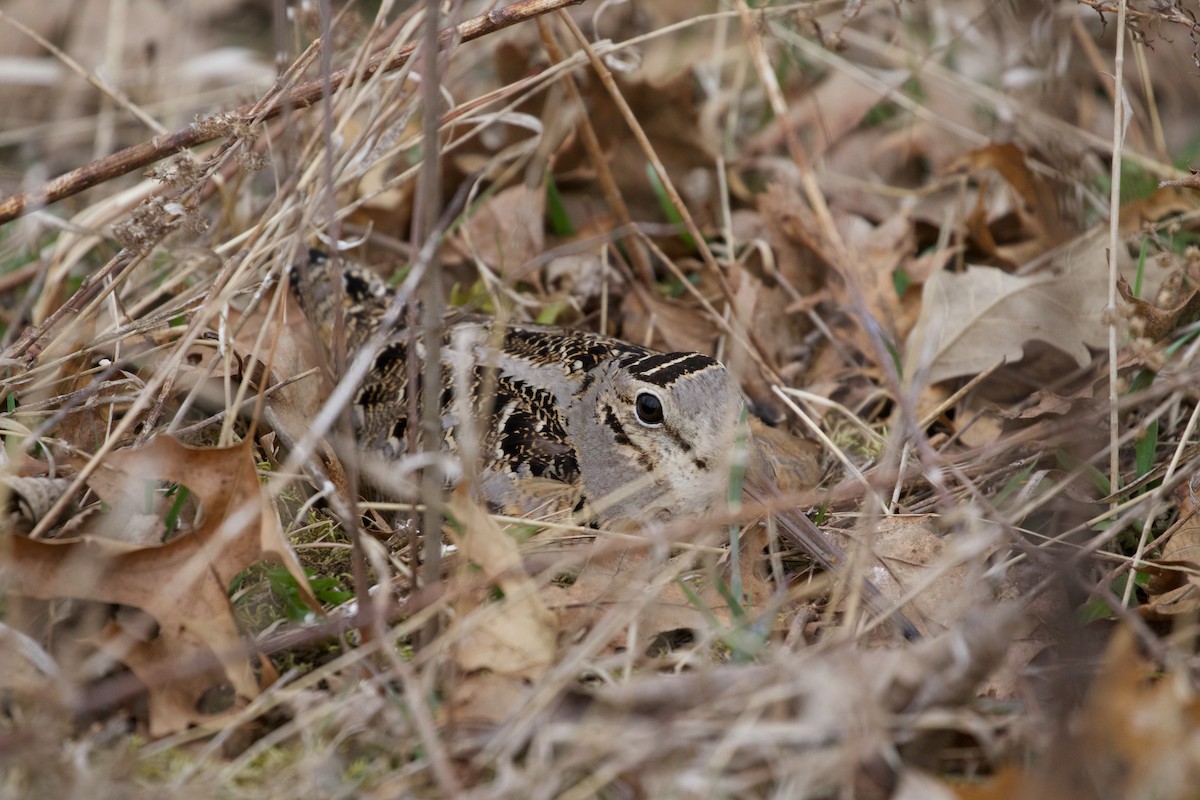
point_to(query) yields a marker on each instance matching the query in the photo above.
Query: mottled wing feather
(362, 295)
(529, 435)
(575, 351)
(525, 440)
(524, 432)
(528, 462)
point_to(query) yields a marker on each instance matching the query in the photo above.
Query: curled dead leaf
(1156, 323)
(1174, 586)
(1031, 199)
(506, 232)
(182, 584)
(973, 319)
(666, 324)
(29, 498)
(520, 636)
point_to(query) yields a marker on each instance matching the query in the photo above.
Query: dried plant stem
(992, 98)
(639, 134)
(1096, 60)
(113, 93)
(425, 237)
(1157, 135)
(604, 174)
(1114, 241)
(344, 426)
(808, 179)
(841, 258)
(822, 437)
(94, 288)
(302, 96)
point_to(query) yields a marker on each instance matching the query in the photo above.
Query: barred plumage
(628, 431)
(567, 421)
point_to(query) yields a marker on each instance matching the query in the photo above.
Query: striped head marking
(654, 433)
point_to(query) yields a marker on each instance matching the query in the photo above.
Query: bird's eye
(649, 408)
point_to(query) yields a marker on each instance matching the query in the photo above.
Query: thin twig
(113, 93)
(216, 126)
(639, 135)
(425, 239)
(604, 174)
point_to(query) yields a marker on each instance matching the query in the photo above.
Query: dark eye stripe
(643, 457)
(614, 424)
(679, 440)
(665, 427)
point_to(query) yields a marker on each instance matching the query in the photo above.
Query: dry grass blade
(810, 539)
(301, 96)
(932, 251)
